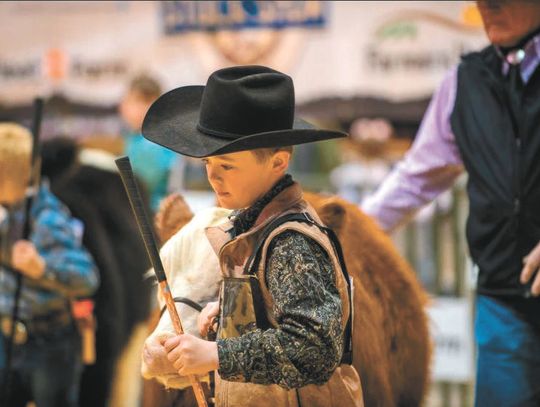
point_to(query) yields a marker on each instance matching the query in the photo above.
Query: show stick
(126, 172)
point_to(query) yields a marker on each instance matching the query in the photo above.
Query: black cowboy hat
(240, 108)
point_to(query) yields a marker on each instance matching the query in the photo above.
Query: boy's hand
(206, 318)
(531, 263)
(26, 259)
(191, 355)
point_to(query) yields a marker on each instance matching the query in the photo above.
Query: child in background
(158, 168)
(46, 354)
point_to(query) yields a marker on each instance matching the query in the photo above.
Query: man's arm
(429, 167)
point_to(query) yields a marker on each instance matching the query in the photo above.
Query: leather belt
(35, 327)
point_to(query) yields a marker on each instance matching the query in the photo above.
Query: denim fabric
(46, 369)
(508, 364)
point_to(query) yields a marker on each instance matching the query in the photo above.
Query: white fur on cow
(192, 271)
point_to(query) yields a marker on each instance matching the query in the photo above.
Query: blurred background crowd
(368, 68)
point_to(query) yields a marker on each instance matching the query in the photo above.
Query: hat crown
(240, 108)
(246, 100)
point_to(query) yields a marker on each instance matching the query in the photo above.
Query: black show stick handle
(126, 172)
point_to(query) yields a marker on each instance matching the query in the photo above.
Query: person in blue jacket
(46, 353)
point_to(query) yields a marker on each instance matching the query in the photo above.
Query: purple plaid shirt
(433, 163)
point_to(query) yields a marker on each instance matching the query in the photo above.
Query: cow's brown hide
(391, 340)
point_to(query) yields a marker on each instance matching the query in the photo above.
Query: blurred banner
(87, 51)
(181, 16)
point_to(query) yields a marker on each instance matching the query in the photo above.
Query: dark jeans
(508, 365)
(45, 369)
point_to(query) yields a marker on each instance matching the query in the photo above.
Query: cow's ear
(332, 214)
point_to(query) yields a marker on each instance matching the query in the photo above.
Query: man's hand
(26, 259)
(205, 320)
(191, 355)
(531, 264)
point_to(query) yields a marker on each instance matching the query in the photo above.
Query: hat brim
(172, 122)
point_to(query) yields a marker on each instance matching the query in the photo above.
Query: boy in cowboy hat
(284, 306)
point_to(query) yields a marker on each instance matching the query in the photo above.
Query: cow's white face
(192, 270)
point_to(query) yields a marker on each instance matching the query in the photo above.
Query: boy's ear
(280, 160)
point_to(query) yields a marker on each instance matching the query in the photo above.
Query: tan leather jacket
(343, 388)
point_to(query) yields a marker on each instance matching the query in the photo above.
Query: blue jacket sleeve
(58, 239)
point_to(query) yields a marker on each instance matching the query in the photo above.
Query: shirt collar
(530, 61)
(248, 217)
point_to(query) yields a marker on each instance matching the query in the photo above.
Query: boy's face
(239, 179)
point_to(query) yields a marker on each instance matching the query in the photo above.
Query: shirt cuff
(229, 366)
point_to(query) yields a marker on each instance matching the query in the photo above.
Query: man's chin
(503, 38)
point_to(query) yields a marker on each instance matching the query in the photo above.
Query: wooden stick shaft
(177, 324)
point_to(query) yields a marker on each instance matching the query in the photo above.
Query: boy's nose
(213, 173)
